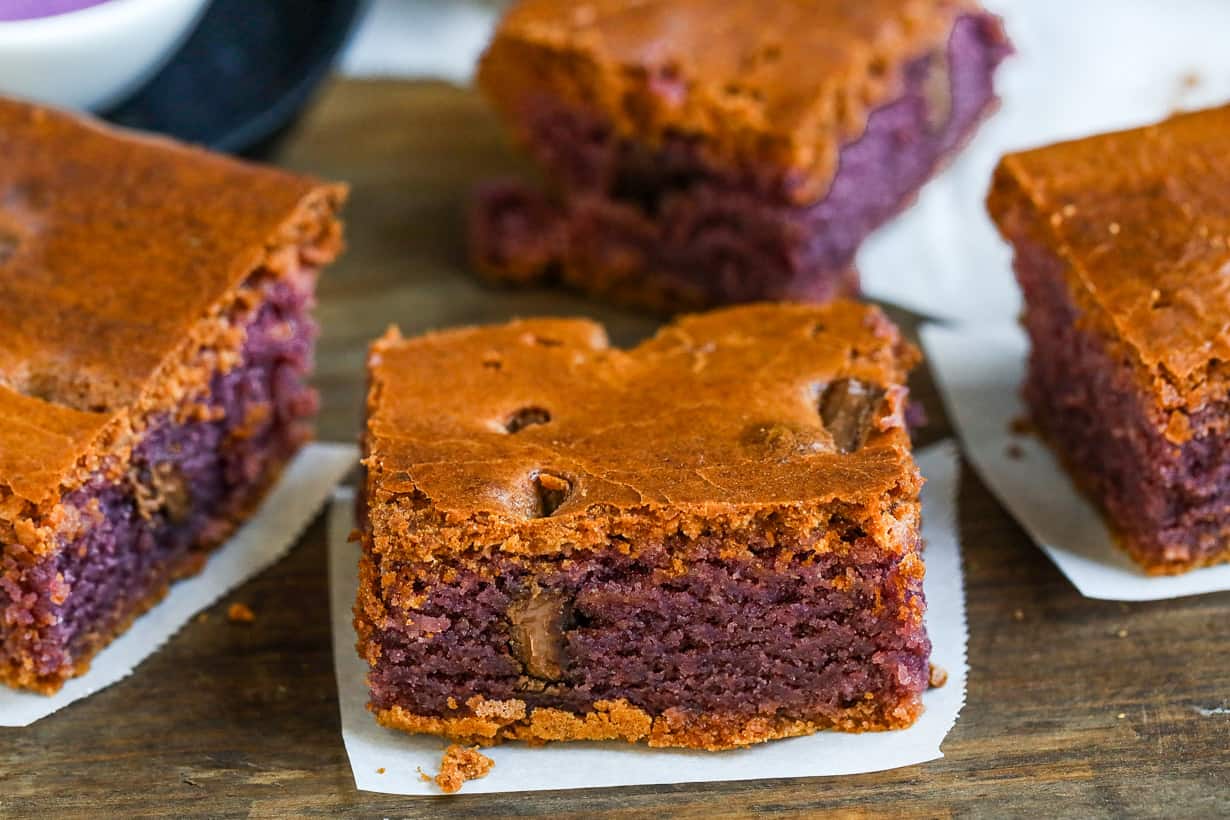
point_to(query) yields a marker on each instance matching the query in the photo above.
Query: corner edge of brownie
(560, 547)
(1121, 244)
(155, 342)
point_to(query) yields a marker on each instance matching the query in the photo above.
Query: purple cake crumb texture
(777, 636)
(1170, 501)
(724, 235)
(83, 592)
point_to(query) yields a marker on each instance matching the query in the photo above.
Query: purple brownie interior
(198, 476)
(1170, 501)
(780, 635)
(730, 234)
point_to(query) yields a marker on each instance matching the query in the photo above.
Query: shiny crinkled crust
(118, 252)
(1141, 219)
(718, 416)
(740, 77)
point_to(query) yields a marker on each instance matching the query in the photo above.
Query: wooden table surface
(1075, 706)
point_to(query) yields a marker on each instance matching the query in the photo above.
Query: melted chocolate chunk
(847, 408)
(536, 631)
(526, 417)
(552, 492)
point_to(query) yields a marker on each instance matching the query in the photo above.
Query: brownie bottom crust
(637, 644)
(666, 230)
(195, 474)
(487, 722)
(1167, 503)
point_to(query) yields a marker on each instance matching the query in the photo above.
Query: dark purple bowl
(246, 73)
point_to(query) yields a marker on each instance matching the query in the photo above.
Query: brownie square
(702, 152)
(707, 541)
(155, 344)
(1122, 255)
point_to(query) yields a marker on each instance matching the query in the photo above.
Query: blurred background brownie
(708, 541)
(155, 342)
(1122, 253)
(700, 152)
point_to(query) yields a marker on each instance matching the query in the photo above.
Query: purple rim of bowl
(14, 10)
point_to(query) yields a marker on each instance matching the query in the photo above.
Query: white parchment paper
(980, 371)
(430, 39)
(584, 765)
(292, 504)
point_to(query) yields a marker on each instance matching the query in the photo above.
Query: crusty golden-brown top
(39, 443)
(113, 244)
(1142, 219)
(536, 424)
(112, 247)
(785, 83)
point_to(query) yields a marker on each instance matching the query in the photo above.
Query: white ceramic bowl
(94, 57)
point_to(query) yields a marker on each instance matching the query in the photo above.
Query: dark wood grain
(1075, 706)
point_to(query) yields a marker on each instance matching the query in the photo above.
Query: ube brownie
(702, 152)
(1123, 257)
(707, 541)
(155, 341)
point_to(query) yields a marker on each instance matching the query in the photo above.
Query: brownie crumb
(937, 677)
(1015, 452)
(458, 765)
(1188, 83)
(1021, 426)
(240, 614)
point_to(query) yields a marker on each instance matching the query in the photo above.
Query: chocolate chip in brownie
(552, 491)
(536, 629)
(526, 417)
(848, 408)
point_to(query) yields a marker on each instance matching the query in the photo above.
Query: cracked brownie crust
(706, 541)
